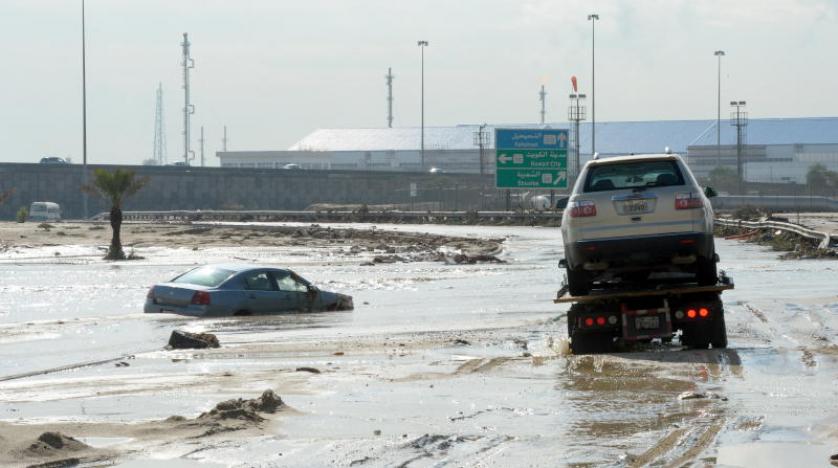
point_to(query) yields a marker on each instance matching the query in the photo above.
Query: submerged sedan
(216, 290)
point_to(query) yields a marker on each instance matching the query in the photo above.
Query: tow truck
(618, 314)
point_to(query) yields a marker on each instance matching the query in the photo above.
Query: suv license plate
(635, 206)
(647, 323)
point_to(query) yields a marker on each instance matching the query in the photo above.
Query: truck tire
(577, 282)
(719, 338)
(706, 273)
(591, 343)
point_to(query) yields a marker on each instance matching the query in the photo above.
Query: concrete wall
(173, 188)
(459, 161)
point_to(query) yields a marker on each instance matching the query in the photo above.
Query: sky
(273, 71)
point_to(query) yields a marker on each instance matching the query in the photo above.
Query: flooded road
(458, 365)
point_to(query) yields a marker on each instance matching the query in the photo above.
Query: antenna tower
(159, 129)
(542, 95)
(389, 97)
(224, 140)
(188, 109)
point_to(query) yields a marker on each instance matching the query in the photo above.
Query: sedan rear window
(630, 174)
(204, 276)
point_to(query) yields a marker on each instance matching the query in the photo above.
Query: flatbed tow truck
(616, 314)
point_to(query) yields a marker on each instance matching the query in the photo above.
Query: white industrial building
(775, 150)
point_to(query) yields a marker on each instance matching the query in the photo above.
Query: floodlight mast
(422, 45)
(593, 18)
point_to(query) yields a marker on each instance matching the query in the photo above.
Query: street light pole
(719, 54)
(593, 18)
(83, 113)
(422, 45)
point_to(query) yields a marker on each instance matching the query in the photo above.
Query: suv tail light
(582, 209)
(150, 294)
(201, 298)
(687, 201)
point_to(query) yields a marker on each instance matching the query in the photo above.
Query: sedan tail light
(687, 201)
(201, 298)
(582, 209)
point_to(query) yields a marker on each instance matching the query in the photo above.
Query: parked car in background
(291, 167)
(631, 216)
(54, 160)
(218, 290)
(44, 211)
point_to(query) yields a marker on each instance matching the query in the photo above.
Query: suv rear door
(636, 198)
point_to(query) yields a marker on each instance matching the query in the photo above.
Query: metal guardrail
(824, 239)
(372, 215)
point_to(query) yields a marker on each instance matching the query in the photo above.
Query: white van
(44, 211)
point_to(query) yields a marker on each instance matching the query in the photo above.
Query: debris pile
(247, 410)
(185, 340)
(49, 443)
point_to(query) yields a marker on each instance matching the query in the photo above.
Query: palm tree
(115, 186)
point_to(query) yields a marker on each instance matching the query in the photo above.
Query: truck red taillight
(688, 201)
(201, 298)
(582, 209)
(693, 313)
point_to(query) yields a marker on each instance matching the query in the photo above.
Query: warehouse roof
(611, 137)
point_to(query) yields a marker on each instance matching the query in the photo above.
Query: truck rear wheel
(719, 338)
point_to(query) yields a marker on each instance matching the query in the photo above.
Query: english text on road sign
(531, 158)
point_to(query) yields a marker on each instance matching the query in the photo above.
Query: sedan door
(263, 296)
(296, 289)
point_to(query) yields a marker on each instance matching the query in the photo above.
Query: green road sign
(531, 158)
(532, 178)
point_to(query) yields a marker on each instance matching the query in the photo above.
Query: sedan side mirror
(709, 192)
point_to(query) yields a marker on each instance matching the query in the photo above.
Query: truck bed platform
(662, 289)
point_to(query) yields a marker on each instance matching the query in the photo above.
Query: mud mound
(245, 410)
(52, 443)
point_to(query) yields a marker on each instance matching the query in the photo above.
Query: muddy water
(397, 387)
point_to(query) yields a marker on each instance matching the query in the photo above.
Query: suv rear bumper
(639, 252)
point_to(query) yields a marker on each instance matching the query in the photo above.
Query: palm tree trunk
(115, 252)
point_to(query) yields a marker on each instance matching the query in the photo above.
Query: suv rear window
(630, 174)
(204, 276)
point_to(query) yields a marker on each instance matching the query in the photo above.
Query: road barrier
(824, 240)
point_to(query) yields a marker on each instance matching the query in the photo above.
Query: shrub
(22, 214)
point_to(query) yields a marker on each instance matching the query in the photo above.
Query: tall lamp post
(593, 18)
(83, 114)
(576, 114)
(719, 54)
(422, 45)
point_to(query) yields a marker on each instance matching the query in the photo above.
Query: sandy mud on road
(439, 364)
(387, 246)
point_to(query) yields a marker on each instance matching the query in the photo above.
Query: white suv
(631, 216)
